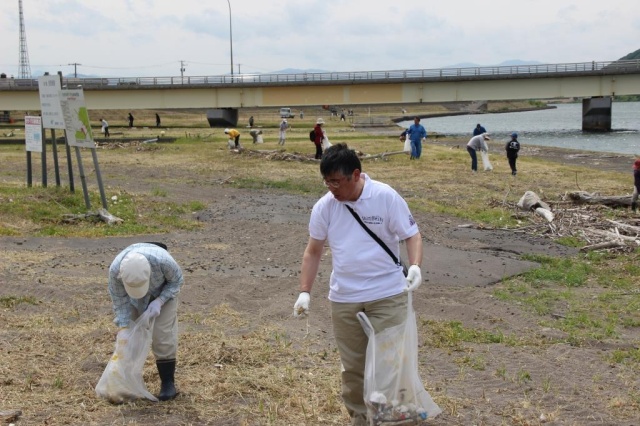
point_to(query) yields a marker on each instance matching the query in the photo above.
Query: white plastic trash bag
(231, 143)
(393, 391)
(122, 380)
(325, 142)
(259, 139)
(485, 161)
(407, 144)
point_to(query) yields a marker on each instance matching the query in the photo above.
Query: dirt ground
(248, 256)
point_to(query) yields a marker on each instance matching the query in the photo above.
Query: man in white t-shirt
(284, 126)
(364, 276)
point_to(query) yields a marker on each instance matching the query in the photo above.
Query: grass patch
(11, 301)
(451, 334)
(592, 296)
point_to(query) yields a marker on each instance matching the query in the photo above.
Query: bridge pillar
(222, 117)
(596, 114)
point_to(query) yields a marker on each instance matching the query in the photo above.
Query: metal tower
(25, 69)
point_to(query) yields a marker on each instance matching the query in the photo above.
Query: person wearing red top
(636, 184)
(319, 136)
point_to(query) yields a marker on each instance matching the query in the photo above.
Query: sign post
(33, 141)
(79, 135)
(48, 88)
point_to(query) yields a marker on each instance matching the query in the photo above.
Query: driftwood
(100, 214)
(383, 155)
(10, 415)
(583, 197)
(600, 246)
(282, 155)
(625, 226)
(612, 235)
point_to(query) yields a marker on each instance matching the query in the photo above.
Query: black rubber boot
(166, 371)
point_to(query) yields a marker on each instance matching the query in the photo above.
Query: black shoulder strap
(374, 236)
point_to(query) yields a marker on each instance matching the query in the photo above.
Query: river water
(558, 127)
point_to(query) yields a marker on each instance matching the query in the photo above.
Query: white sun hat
(135, 272)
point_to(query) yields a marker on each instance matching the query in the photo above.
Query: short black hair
(339, 158)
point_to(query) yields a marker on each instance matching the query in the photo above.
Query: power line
(75, 69)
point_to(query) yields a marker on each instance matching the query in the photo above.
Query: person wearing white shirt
(284, 126)
(364, 276)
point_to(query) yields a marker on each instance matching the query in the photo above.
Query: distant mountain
(509, 63)
(298, 71)
(630, 56)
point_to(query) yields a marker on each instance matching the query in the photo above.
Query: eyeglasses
(334, 183)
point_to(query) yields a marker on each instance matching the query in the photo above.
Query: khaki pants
(352, 342)
(165, 331)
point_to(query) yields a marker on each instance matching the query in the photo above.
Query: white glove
(301, 308)
(154, 308)
(414, 278)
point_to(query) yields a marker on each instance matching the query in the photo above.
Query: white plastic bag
(122, 380)
(407, 144)
(485, 161)
(325, 142)
(260, 140)
(393, 391)
(231, 143)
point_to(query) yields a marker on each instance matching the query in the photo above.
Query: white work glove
(154, 308)
(301, 308)
(414, 278)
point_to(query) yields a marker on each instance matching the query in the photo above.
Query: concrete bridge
(599, 80)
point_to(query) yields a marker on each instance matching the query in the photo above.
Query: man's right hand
(301, 308)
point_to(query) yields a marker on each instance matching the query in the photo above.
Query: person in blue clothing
(479, 130)
(416, 133)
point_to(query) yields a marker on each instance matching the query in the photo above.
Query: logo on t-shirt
(373, 220)
(411, 220)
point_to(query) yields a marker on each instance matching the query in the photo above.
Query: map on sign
(49, 88)
(76, 118)
(33, 133)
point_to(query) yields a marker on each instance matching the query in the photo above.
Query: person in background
(319, 131)
(145, 277)
(477, 143)
(512, 147)
(479, 130)
(157, 120)
(251, 121)
(284, 126)
(636, 185)
(233, 134)
(130, 118)
(105, 127)
(364, 276)
(416, 133)
(254, 134)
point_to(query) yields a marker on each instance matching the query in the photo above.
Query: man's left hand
(154, 308)
(414, 278)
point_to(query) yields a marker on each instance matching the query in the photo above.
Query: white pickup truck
(286, 113)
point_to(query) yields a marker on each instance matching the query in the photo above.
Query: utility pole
(75, 69)
(182, 68)
(239, 69)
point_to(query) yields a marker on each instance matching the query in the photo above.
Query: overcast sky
(139, 38)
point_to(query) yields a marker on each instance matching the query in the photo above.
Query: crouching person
(145, 277)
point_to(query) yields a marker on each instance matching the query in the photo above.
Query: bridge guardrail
(597, 68)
